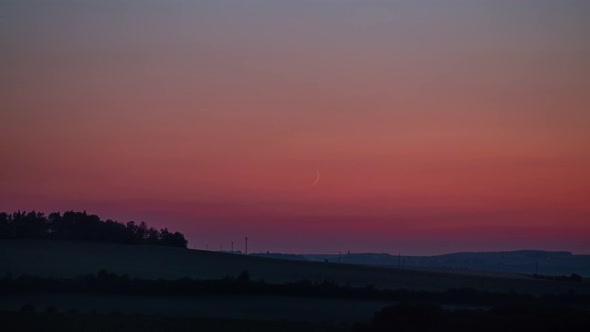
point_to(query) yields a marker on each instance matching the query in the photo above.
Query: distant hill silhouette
(292, 257)
(519, 261)
(57, 259)
(80, 226)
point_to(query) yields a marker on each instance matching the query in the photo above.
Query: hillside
(68, 259)
(521, 261)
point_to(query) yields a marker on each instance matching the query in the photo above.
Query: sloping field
(554, 263)
(70, 259)
(236, 307)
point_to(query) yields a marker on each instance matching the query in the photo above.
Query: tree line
(80, 226)
(105, 282)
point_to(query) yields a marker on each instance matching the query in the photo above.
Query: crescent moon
(317, 179)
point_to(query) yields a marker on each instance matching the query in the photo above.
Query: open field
(555, 263)
(70, 259)
(234, 307)
(113, 322)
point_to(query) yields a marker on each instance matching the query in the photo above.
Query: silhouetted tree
(81, 226)
(153, 236)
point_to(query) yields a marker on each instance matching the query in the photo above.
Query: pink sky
(435, 127)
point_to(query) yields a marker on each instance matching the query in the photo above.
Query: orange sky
(435, 127)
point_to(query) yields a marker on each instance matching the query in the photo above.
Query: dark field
(414, 318)
(235, 307)
(114, 322)
(71, 259)
(54, 286)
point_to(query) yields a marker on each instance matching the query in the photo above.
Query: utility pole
(232, 247)
(246, 247)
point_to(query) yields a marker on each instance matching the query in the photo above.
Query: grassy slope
(68, 259)
(236, 307)
(91, 322)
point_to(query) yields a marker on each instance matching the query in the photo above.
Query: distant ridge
(57, 259)
(517, 261)
(522, 251)
(293, 257)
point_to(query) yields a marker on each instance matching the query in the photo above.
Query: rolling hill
(69, 259)
(520, 261)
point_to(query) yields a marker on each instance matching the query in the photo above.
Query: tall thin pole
(246, 248)
(232, 247)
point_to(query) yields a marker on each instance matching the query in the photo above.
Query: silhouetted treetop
(80, 226)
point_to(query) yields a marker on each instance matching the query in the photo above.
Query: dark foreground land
(268, 308)
(28, 320)
(392, 318)
(72, 259)
(554, 263)
(107, 301)
(57, 286)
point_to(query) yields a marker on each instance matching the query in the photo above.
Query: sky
(435, 126)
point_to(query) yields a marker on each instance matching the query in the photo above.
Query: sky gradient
(436, 126)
